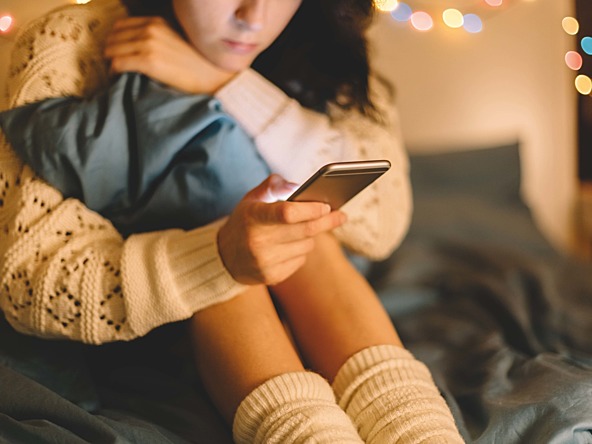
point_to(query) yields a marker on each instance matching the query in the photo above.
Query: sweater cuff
(173, 274)
(199, 273)
(252, 100)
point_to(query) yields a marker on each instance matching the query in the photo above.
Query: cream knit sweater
(67, 273)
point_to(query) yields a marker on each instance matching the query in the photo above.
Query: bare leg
(344, 333)
(238, 345)
(254, 376)
(332, 310)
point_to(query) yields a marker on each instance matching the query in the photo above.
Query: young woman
(62, 264)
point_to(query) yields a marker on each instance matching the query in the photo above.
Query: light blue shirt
(144, 155)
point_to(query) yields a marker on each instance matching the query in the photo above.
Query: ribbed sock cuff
(293, 408)
(391, 397)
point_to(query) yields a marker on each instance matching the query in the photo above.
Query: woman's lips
(240, 47)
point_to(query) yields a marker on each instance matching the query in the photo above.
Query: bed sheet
(502, 319)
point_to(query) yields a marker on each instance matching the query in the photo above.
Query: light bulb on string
(6, 24)
(583, 84)
(573, 60)
(386, 5)
(453, 18)
(586, 44)
(422, 21)
(472, 23)
(469, 15)
(402, 12)
(570, 25)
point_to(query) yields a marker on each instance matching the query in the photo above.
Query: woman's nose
(250, 14)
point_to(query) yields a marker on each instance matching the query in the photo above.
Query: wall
(476, 90)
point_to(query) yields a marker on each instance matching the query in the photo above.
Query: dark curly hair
(321, 57)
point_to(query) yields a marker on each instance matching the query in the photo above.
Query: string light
(574, 60)
(472, 23)
(402, 12)
(422, 21)
(386, 5)
(6, 24)
(570, 25)
(586, 44)
(422, 15)
(453, 18)
(583, 84)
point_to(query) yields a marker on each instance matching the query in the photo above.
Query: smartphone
(336, 183)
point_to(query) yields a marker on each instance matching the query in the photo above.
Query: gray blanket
(503, 320)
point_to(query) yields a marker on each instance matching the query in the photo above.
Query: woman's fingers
(150, 46)
(136, 28)
(145, 26)
(128, 50)
(261, 253)
(266, 208)
(142, 36)
(303, 220)
(295, 212)
(264, 243)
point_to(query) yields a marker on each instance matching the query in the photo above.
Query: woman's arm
(296, 141)
(143, 155)
(65, 272)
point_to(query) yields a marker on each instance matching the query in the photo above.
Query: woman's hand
(150, 46)
(264, 243)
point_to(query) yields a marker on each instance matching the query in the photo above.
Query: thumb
(272, 189)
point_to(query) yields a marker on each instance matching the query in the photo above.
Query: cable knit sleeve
(65, 272)
(295, 142)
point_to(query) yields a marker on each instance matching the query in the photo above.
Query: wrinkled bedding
(502, 319)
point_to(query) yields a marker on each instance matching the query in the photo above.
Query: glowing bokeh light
(402, 13)
(6, 22)
(422, 21)
(586, 44)
(386, 5)
(473, 23)
(82, 2)
(453, 18)
(494, 2)
(570, 25)
(573, 60)
(584, 84)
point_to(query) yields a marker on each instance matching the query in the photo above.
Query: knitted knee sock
(392, 398)
(293, 408)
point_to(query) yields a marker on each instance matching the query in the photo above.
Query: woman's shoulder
(61, 52)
